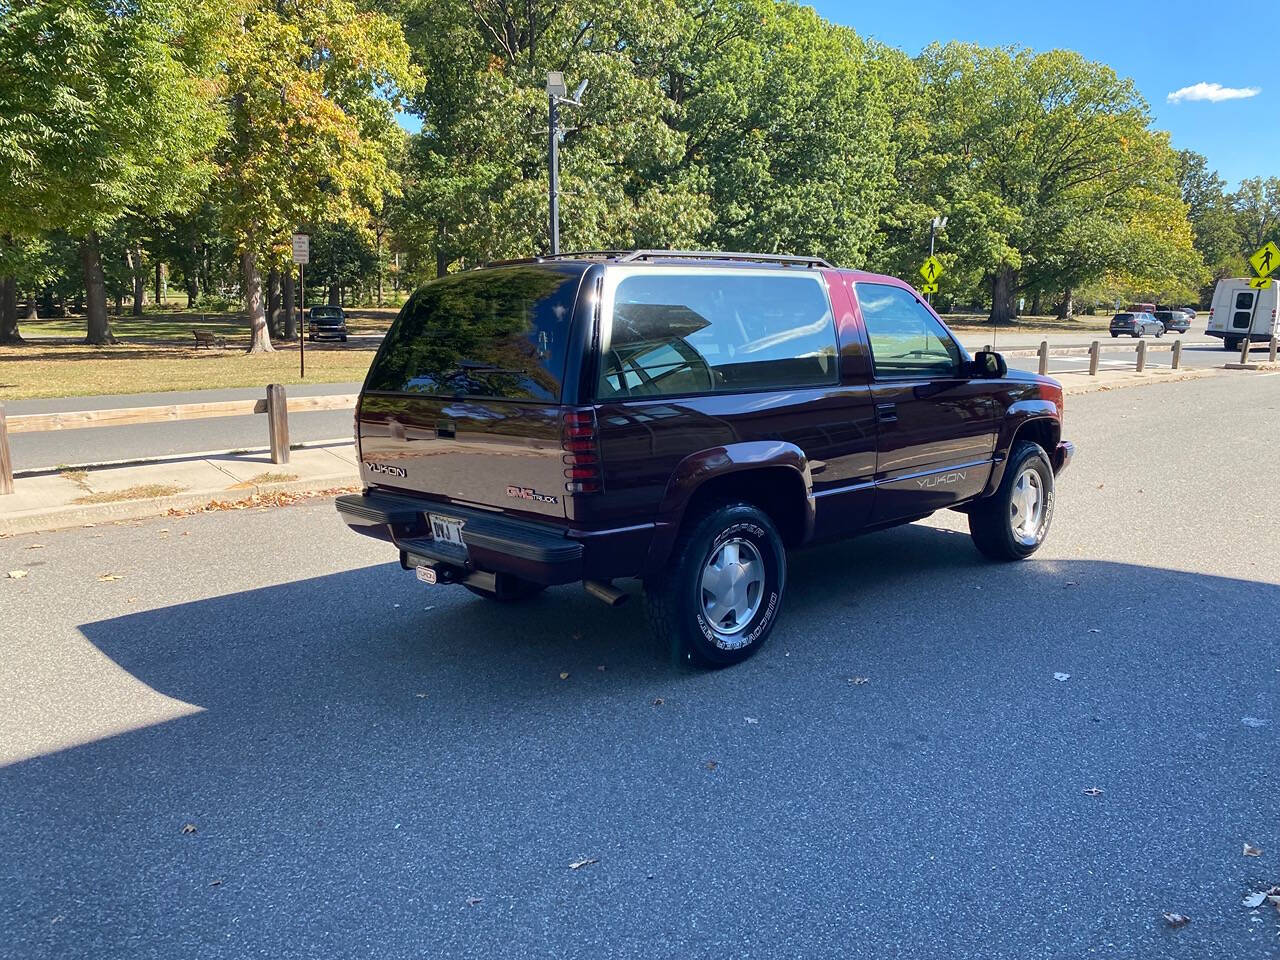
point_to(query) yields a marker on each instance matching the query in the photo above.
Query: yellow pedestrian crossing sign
(931, 269)
(929, 288)
(1266, 260)
(1260, 283)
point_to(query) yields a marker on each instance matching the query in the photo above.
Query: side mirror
(988, 365)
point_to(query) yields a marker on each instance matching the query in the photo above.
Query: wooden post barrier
(1244, 349)
(1044, 357)
(1093, 358)
(1275, 342)
(1177, 355)
(6, 460)
(1142, 356)
(278, 423)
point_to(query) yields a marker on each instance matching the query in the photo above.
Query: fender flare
(1017, 416)
(695, 470)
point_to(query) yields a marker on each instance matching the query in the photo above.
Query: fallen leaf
(108, 577)
(711, 764)
(564, 676)
(35, 546)
(1093, 792)
(751, 719)
(1094, 630)
(17, 574)
(1251, 851)
(601, 668)
(1247, 721)
(474, 901)
(188, 828)
(1061, 677)
(1177, 919)
(577, 636)
(215, 883)
(858, 681)
(658, 701)
(1255, 899)
(164, 529)
(186, 533)
(1073, 583)
(578, 865)
(130, 599)
(421, 696)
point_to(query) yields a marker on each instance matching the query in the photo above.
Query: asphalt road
(42, 451)
(374, 767)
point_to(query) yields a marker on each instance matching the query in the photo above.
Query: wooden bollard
(1093, 358)
(1275, 342)
(1044, 357)
(6, 459)
(1244, 349)
(1177, 355)
(1142, 356)
(278, 423)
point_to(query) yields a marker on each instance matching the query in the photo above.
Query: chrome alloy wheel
(1026, 507)
(731, 588)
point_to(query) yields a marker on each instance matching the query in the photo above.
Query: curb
(1096, 385)
(79, 515)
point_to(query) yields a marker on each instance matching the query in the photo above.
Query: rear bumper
(1062, 454)
(541, 553)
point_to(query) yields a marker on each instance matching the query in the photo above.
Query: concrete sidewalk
(54, 500)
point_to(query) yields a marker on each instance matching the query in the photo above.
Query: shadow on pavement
(362, 771)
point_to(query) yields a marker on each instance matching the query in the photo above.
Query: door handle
(887, 412)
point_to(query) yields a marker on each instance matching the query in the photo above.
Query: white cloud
(1213, 92)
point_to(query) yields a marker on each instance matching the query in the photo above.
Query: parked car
(685, 418)
(1240, 311)
(1142, 308)
(330, 322)
(1175, 320)
(1136, 325)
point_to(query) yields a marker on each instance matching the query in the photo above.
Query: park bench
(206, 339)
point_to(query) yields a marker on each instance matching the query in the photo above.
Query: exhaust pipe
(606, 592)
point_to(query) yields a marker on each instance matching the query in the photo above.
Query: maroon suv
(684, 418)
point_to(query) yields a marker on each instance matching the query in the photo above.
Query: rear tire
(1230, 343)
(718, 597)
(1013, 522)
(509, 589)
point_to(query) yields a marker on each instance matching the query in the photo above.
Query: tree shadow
(361, 769)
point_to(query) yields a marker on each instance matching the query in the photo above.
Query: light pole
(556, 91)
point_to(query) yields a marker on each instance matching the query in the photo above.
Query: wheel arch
(1033, 420)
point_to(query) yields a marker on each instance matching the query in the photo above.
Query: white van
(1240, 311)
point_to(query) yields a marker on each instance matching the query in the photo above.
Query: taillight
(582, 469)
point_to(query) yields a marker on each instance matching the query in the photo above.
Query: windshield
(499, 332)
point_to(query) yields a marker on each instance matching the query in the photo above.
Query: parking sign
(301, 248)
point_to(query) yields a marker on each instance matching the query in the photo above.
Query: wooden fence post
(1244, 349)
(6, 460)
(1177, 355)
(278, 423)
(1275, 342)
(1093, 359)
(1142, 356)
(1044, 357)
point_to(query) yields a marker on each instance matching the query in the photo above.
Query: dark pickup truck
(685, 417)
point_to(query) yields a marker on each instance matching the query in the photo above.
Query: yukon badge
(386, 469)
(528, 493)
(954, 477)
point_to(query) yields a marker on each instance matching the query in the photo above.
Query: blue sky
(1164, 47)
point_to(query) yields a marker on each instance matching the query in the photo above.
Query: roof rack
(778, 258)
(572, 255)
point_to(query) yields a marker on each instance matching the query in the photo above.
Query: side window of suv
(906, 339)
(707, 332)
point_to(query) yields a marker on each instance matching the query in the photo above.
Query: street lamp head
(555, 84)
(939, 223)
(582, 88)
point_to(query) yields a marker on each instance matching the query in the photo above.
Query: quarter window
(906, 339)
(709, 332)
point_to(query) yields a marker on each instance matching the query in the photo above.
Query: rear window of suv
(717, 332)
(499, 332)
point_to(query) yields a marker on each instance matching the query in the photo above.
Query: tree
(313, 86)
(342, 257)
(1257, 207)
(108, 110)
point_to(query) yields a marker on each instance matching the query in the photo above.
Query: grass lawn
(1028, 324)
(156, 352)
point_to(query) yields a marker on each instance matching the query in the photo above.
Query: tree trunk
(1004, 285)
(1067, 307)
(378, 249)
(335, 295)
(442, 258)
(193, 290)
(32, 313)
(1036, 304)
(259, 340)
(160, 291)
(95, 286)
(289, 307)
(273, 302)
(9, 311)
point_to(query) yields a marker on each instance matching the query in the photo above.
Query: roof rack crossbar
(780, 258)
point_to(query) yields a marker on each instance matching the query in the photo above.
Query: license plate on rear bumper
(446, 530)
(426, 574)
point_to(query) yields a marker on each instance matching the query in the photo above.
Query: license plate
(426, 575)
(446, 530)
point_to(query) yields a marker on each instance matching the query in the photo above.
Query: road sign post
(302, 256)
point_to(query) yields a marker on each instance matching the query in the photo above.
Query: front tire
(1013, 522)
(717, 599)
